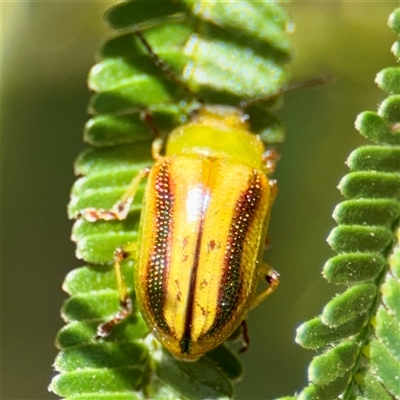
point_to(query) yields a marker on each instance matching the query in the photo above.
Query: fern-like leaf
(359, 329)
(223, 52)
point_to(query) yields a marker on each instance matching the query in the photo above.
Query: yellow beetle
(203, 227)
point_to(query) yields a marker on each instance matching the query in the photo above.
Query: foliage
(359, 329)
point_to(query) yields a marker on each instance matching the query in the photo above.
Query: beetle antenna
(147, 117)
(165, 68)
(320, 80)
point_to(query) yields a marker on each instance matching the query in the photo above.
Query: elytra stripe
(159, 260)
(186, 342)
(231, 280)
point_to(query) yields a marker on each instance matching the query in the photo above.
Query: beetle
(203, 226)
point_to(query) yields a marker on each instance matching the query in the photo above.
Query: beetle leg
(121, 208)
(273, 279)
(125, 302)
(245, 337)
(270, 158)
(158, 141)
(156, 147)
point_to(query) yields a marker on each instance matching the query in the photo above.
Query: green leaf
(333, 364)
(109, 130)
(251, 19)
(197, 380)
(353, 268)
(98, 355)
(387, 329)
(349, 304)
(370, 184)
(389, 80)
(370, 386)
(330, 391)
(223, 52)
(384, 365)
(374, 128)
(98, 161)
(129, 14)
(380, 212)
(350, 238)
(396, 49)
(95, 380)
(394, 21)
(383, 350)
(359, 329)
(261, 74)
(226, 361)
(314, 334)
(374, 158)
(389, 111)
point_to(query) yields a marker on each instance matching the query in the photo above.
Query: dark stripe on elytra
(159, 259)
(231, 280)
(186, 341)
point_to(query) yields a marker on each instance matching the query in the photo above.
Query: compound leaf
(358, 332)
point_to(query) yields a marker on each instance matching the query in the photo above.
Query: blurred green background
(47, 50)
